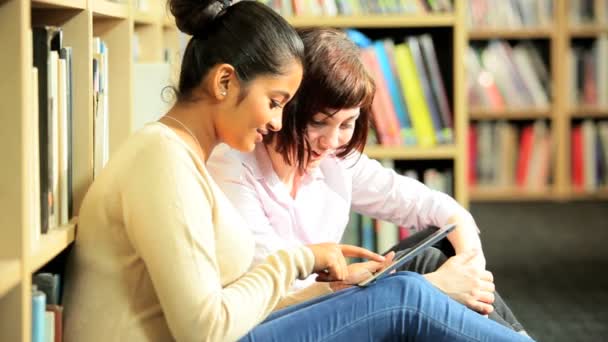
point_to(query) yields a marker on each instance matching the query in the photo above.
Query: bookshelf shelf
(511, 33)
(601, 194)
(145, 17)
(52, 244)
(405, 153)
(74, 4)
(477, 113)
(10, 274)
(501, 194)
(587, 30)
(104, 8)
(379, 21)
(589, 111)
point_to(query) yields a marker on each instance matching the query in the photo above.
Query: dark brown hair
(334, 79)
(248, 35)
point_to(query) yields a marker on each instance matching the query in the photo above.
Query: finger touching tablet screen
(404, 256)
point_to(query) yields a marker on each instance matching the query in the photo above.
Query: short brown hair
(334, 79)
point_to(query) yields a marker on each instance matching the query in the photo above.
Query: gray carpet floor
(550, 263)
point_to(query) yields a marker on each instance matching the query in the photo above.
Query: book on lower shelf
(589, 155)
(507, 155)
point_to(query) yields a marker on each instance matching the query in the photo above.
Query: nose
(275, 124)
(329, 140)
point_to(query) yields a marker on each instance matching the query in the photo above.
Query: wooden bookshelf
(51, 244)
(477, 113)
(10, 274)
(587, 31)
(411, 153)
(501, 194)
(376, 21)
(20, 253)
(511, 33)
(561, 113)
(108, 9)
(589, 112)
(76, 4)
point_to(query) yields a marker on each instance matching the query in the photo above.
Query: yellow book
(414, 97)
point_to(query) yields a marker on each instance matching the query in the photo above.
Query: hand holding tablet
(404, 256)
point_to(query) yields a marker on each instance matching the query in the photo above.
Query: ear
(223, 81)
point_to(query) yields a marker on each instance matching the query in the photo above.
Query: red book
(578, 180)
(526, 143)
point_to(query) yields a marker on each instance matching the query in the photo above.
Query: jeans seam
(402, 309)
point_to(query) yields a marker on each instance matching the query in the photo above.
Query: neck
(287, 174)
(198, 118)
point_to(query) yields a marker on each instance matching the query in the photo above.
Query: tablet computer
(404, 256)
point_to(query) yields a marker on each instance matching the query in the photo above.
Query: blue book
(389, 72)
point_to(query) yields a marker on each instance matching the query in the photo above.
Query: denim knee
(405, 280)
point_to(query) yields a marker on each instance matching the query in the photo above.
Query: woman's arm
(381, 193)
(174, 222)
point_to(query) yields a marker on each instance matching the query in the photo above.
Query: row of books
(410, 105)
(504, 155)
(291, 8)
(589, 155)
(101, 115)
(47, 312)
(52, 111)
(509, 13)
(380, 236)
(500, 75)
(589, 73)
(585, 11)
(52, 81)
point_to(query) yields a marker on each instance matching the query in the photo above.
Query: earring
(224, 93)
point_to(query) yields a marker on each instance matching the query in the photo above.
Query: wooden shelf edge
(599, 194)
(51, 244)
(501, 194)
(10, 274)
(507, 33)
(589, 111)
(587, 30)
(384, 21)
(69, 4)
(107, 9)
(477, 113)
(410, 153)
(145, 17)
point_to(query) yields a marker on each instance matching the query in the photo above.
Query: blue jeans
(402, 306)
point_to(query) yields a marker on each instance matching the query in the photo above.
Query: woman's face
(261, 110)
(327, 133)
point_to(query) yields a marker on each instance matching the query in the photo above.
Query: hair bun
(194, 16)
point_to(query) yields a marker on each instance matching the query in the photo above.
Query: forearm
(465, 236)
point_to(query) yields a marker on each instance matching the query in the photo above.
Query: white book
(62, 147)
(54, 123)
(602, 128)
(33, 186)
(49, 326)
(589, 155)
(530, 77)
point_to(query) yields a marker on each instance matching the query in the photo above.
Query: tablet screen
(402, 257)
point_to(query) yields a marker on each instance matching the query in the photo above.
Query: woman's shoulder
(226, 162)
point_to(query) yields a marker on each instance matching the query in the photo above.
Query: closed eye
(275, 104)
